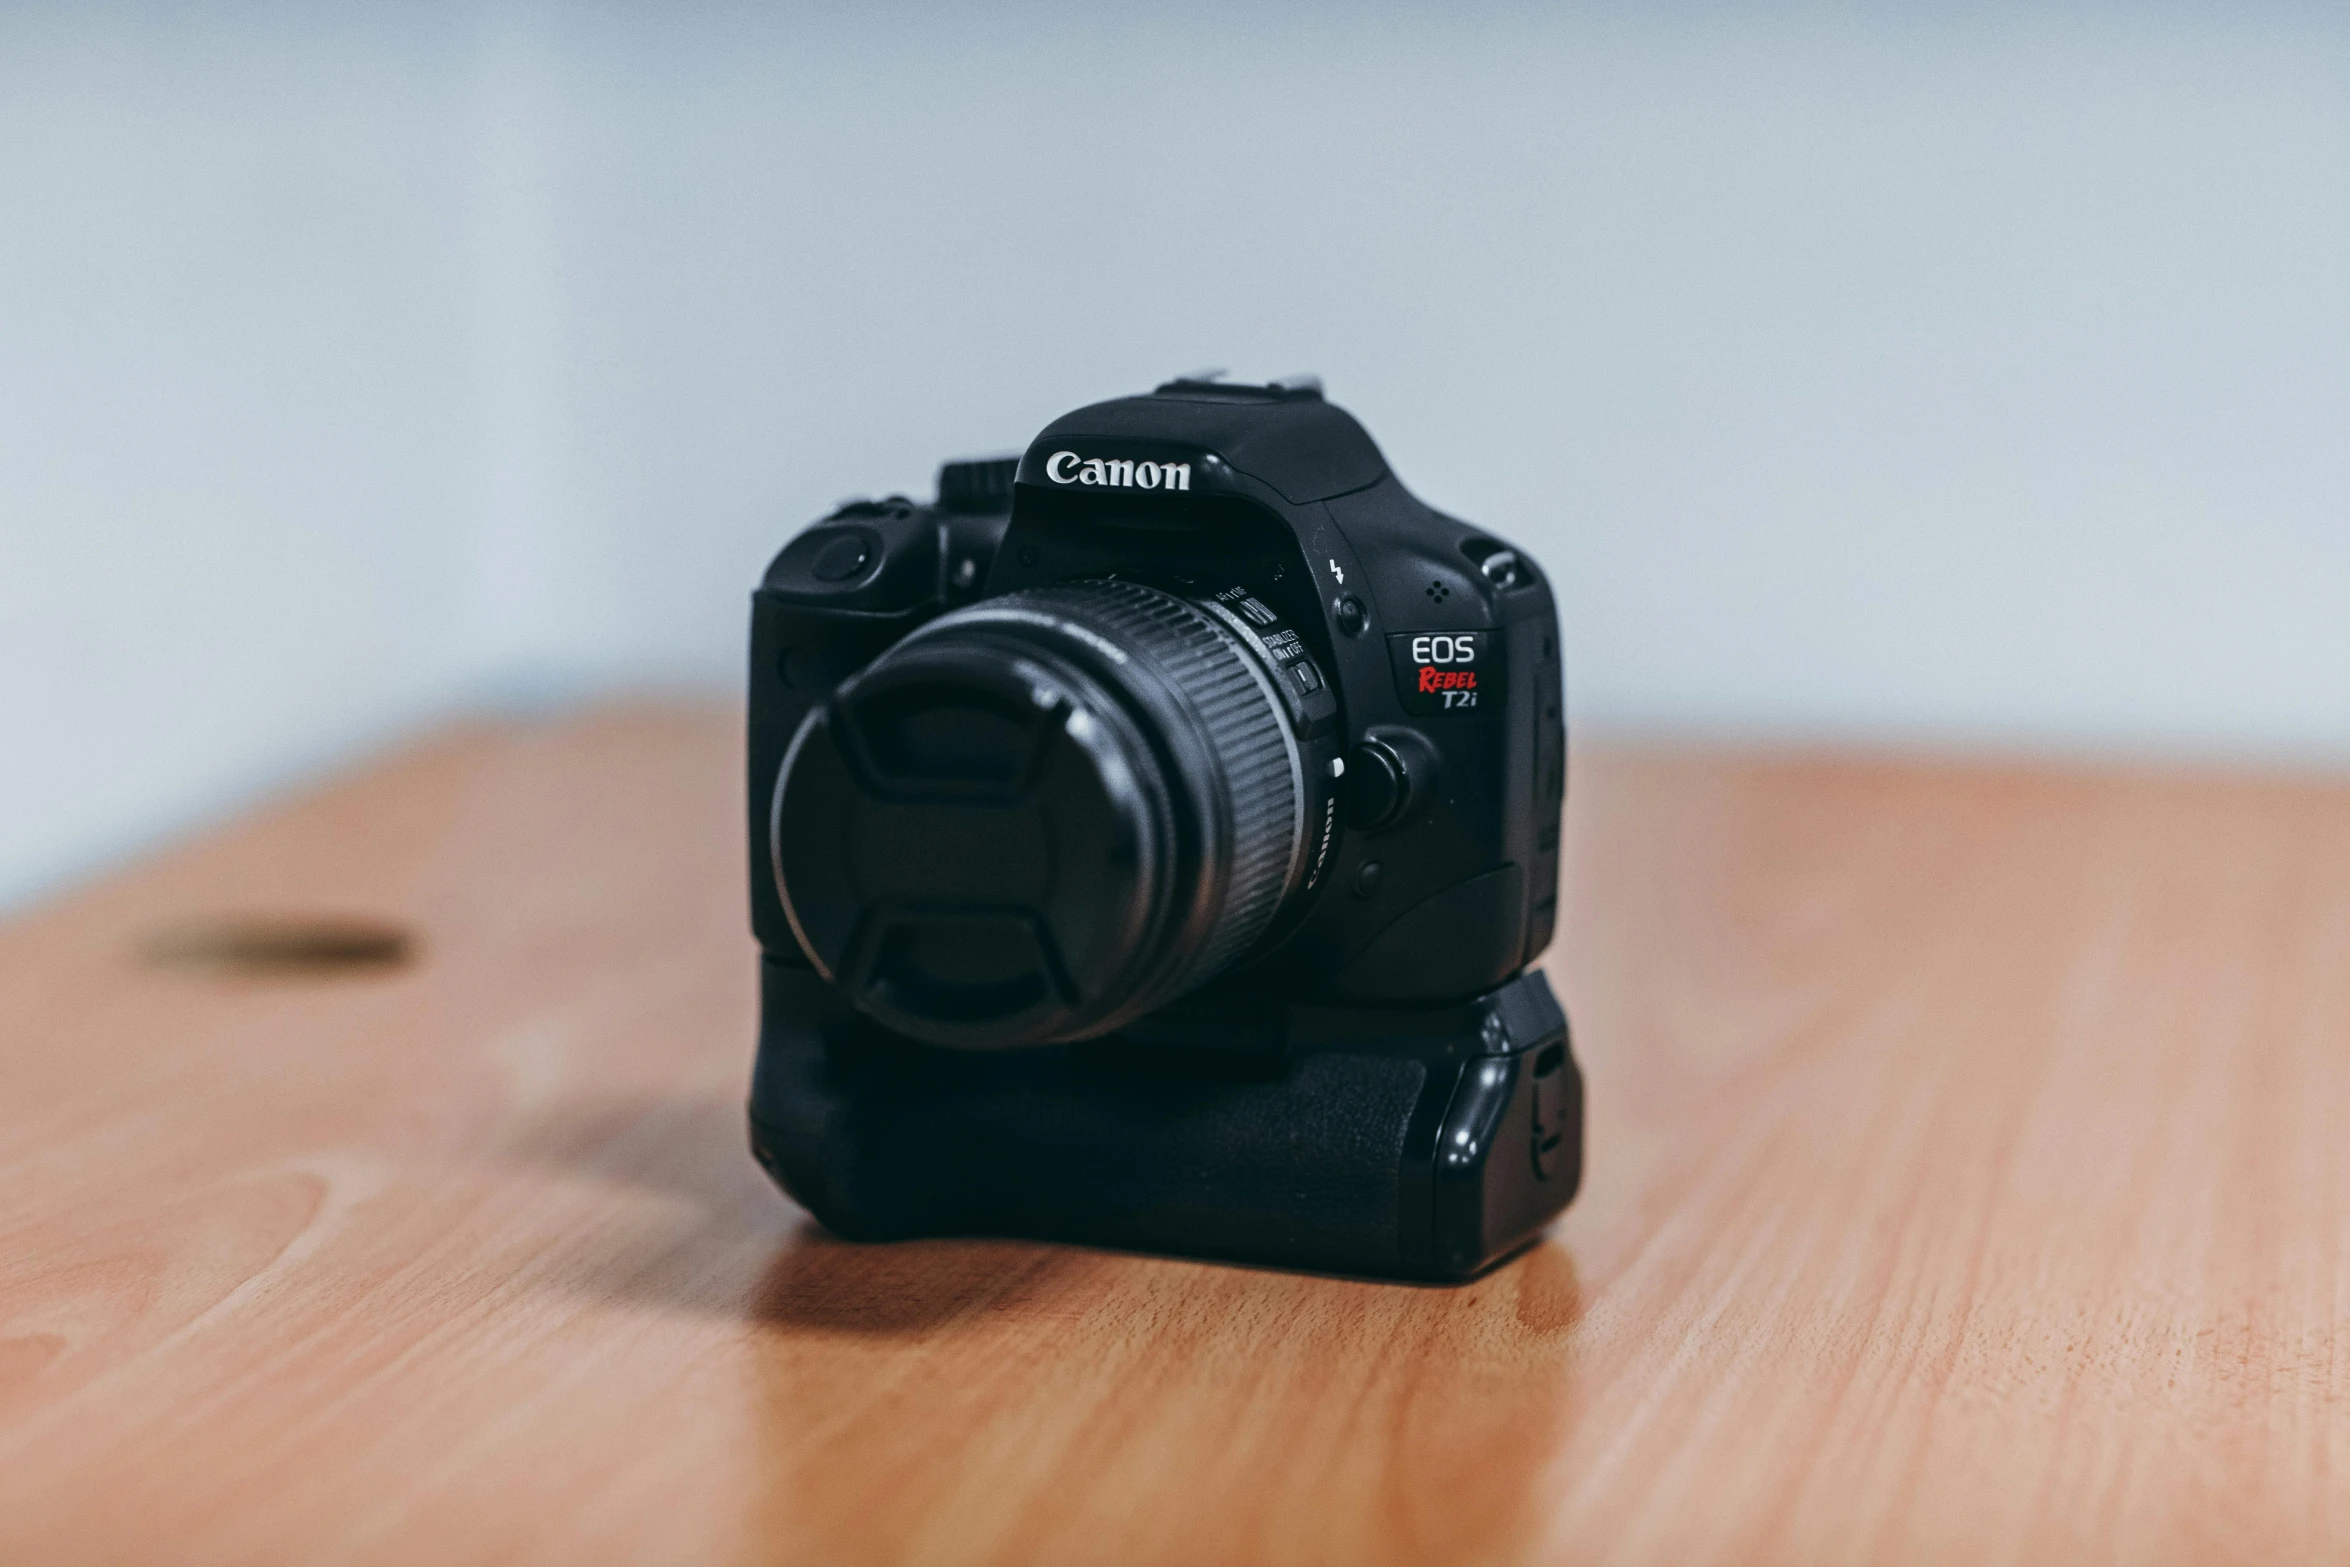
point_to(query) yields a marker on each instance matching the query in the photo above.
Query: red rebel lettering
(1432, 679)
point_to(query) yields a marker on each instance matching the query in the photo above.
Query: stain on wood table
(1968, 1180)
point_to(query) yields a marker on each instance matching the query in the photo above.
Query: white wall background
(1946, 375)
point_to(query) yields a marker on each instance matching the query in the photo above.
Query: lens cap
(1019, 827)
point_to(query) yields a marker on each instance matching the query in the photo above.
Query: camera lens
(1041, 816)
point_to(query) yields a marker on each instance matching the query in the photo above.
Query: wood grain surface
(1969, 1181)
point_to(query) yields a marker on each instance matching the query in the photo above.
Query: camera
(1150, 838)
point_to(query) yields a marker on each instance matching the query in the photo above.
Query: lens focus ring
(1252, 774)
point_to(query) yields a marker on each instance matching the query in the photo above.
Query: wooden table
(1969, 1180)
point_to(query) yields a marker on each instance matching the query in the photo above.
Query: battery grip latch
(1549, 1100)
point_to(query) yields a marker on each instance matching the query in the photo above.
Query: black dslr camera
(1149, 839)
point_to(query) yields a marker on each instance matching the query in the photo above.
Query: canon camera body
(1149, 841)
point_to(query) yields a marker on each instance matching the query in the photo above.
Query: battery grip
(1397, 1142)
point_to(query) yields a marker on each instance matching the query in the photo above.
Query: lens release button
(1375, 785)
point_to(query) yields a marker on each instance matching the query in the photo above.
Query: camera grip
(1396, 1142)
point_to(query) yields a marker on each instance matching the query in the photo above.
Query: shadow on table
(822, 1284)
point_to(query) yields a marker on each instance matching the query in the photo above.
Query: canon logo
(1117, 472)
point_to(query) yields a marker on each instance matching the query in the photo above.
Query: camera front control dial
(1040, 817)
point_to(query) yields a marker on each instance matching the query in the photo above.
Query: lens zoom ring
(1242, 733)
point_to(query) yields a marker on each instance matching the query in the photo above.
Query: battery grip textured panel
(1417, 1142)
